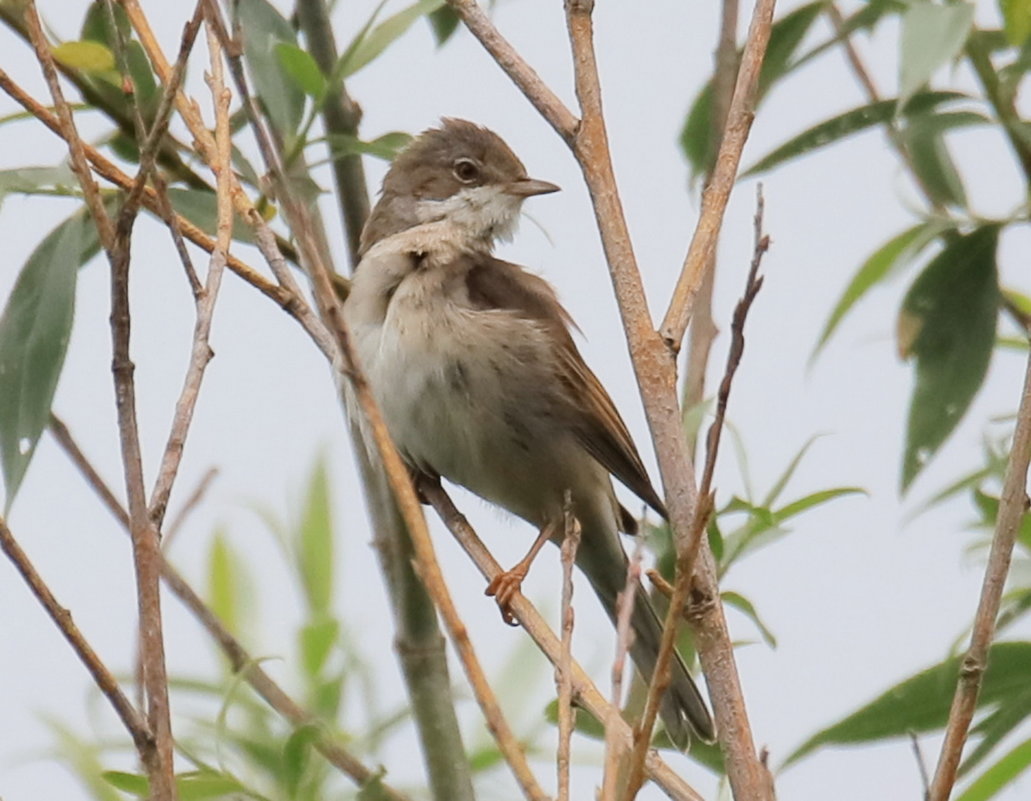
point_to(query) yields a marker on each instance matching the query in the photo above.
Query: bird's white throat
(482, 212)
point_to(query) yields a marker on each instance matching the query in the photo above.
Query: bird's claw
(503, 588)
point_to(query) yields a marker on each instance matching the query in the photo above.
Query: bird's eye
(466, 171)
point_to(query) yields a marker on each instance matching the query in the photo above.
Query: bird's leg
(504, 586)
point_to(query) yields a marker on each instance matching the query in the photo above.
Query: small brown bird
(472, 362)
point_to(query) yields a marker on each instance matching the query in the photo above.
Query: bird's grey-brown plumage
(480, 381)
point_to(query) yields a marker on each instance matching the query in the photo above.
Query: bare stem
(102, 677)
(563, 670)
(1012, 506)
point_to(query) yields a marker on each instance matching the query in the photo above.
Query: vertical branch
(564, 668)
(1013, 504)
(146, 548)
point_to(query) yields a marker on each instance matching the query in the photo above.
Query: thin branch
(201, 352)
(921, 765)
(551, 108)
(290, 302)
(686, 556)
(587, 694)
(159, 761)
(724, 176)
(615, 752)
(102, 677)
(1013, 504)
(192, 502)
(242, 662)
(563, 670)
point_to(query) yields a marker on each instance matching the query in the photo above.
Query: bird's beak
(527, 187)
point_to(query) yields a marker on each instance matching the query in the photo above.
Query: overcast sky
(859, 596)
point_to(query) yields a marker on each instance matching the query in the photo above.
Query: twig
(201, 352)
(530, 620)
(563, 670)
(242, 661)
(687, 555)
(290, 302)
(921, 765)
(1013, 503)
(703, 328)
(614, 754)
(102, 677)
(724, 176)
(552, 109)
(146, 552)
(172, 529)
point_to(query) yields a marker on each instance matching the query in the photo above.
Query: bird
(473, 364)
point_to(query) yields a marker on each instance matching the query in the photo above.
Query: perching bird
(473, 365)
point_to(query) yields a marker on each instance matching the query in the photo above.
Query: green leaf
(201, 785)
(996, 726)
(300, 66)
(314, 543)
(921, 703)
(263, 28)
(200, 207)
(787, 33)
(373, 790)
(844, 125)
(444, 22)
(947, 322)
(223, 590)
(317, 641)
(932, 34)
(747, 608)
(897, 250)
(384, 147)
(34, 332)
(127, 782)
(998, 776)
(1016, 16)
(297, 755)
(371, 42)
(58, 179)
(88, 56)
(931, 160)
(814, 499)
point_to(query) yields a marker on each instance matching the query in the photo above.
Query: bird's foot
(503, 588)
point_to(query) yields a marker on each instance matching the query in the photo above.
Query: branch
(584, 690)
(102, 677)
(563, 670)
(724, 176)
(1012, 506)
(146, 551)
(242, 662)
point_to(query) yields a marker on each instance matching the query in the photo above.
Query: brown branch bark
(102, 677)
(242, 662)
(563, 670)
(1013, 504)
(146, 550)
(724, 176)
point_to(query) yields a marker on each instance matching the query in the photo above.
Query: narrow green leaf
(297, 755)
(444, 22)
(314, 543)
(947, 322)
(789, 471)
(925, 142)
(384, 147)
(200, 207)
(317, 641)
(990, 731)
(814, 499)
(201, 785)
(34, 332)
(92, 57)
(696, 136)
(369, 46)
(932, 35)
(1016, 16)
(263, 28)
(223, 592)
(1000, 775)
(897, 250)
(127, 782)
(747, 608)
(300, 66)
(921, 703)
(846, 124)
(37, 180)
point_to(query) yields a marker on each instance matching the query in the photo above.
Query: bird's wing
(496, 284)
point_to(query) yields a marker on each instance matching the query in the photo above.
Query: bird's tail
(683, 709)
